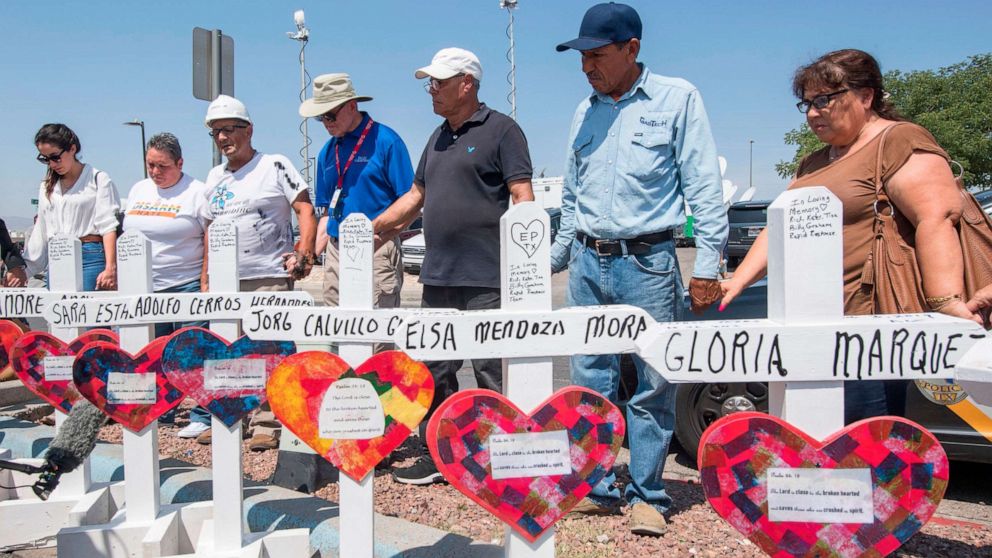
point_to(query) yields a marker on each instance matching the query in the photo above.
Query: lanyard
(337, 160)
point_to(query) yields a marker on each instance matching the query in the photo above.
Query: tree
(954, 103)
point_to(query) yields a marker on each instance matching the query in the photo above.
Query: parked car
(985, 199)
(699, 405)
(746, 219)
(413, 247)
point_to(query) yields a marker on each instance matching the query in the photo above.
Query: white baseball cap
(225, 106)
(449, 62)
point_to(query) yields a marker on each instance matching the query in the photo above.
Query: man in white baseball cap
(364, 168)
(472, 165)
(258, 193)
(449, 62)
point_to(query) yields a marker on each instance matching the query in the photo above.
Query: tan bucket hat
(329, 92)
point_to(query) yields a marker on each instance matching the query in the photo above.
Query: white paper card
(234, 374)
(131, 389)
(529, 454)
(58, 368)
(351, 410)
(820, 495)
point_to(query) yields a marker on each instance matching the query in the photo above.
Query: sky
(96, 64)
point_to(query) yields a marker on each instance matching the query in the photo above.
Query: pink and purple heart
(97, 361)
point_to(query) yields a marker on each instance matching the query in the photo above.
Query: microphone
(73, 443)
(75, 440)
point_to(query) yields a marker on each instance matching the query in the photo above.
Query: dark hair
(852, 68)
(62, 137)
(167, 143)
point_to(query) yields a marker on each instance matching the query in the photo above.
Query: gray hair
(167, 143)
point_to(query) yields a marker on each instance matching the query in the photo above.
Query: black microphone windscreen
(76, 438)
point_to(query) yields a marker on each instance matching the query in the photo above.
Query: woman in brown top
(842, 96)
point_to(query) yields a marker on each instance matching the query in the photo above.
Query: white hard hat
(225, 106)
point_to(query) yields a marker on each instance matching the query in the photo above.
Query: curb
(266, 507)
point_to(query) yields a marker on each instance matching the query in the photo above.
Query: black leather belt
(615, 247)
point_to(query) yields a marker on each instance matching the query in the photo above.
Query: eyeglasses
(227, 130)
(53, 158)
(820, 101)
(330, 116)
(433, 85)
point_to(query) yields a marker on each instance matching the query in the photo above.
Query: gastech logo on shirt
(471, 149)
(654, 123)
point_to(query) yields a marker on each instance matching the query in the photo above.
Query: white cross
(807, 348)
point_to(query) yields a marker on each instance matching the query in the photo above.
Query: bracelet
(937, 302)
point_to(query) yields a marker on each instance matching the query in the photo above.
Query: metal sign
(210, 66)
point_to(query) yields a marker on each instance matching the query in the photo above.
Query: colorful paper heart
(297, 389)
(10, 332)
(228, 379)
(459, 437)
(908, 472)
(100, 362)
(36, 358)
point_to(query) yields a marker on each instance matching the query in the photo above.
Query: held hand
(981, 304)
(959, 309)
(731, 289)
(107, 280)
(703, 293)
(289, 262)
(16, 278)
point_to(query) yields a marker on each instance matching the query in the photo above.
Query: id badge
(334, 198)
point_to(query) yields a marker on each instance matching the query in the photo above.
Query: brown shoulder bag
(891, 271)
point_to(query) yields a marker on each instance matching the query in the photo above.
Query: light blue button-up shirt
(634, 163)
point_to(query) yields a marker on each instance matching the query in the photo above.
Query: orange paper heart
(297, 390)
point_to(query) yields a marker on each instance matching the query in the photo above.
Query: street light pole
(750, 165)
(302, 35)
(144, 155)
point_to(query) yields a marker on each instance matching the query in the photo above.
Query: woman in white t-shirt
(169, 208)
(79, 201)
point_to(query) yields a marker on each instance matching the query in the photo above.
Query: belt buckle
(603, 247)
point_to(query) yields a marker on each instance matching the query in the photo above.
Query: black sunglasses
(820, 101)
(330, 116)
(53, 158)
(214, 132)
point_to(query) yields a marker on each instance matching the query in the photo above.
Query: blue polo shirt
(379, 175)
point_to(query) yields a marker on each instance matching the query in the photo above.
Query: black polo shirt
(465, 174)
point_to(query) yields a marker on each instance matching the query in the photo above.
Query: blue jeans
(197, 414)
(651, 281)
(94, 262)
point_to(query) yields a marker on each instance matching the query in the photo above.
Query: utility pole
(511, 77)
(302, 35)
(750, 165)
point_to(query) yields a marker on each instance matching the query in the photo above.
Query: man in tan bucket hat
(364, 168)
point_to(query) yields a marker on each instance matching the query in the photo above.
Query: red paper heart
(908, 469)
(458, 436)
(184, 358)
(296, 392)
(95, 363)
(28, 359)
(10, 332)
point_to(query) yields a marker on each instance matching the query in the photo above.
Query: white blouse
(89, 207)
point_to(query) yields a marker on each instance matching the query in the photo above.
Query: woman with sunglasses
(845, 105)
(76, 200)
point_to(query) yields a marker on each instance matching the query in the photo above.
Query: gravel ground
(695, 529)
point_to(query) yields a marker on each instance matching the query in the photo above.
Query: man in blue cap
(641, 149)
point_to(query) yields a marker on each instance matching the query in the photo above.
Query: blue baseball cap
(605, 24)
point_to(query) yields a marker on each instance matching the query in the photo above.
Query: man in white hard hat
(259, 193)
(474, 162)
(364, 168)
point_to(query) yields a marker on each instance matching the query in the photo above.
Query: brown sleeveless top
(851, 179)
